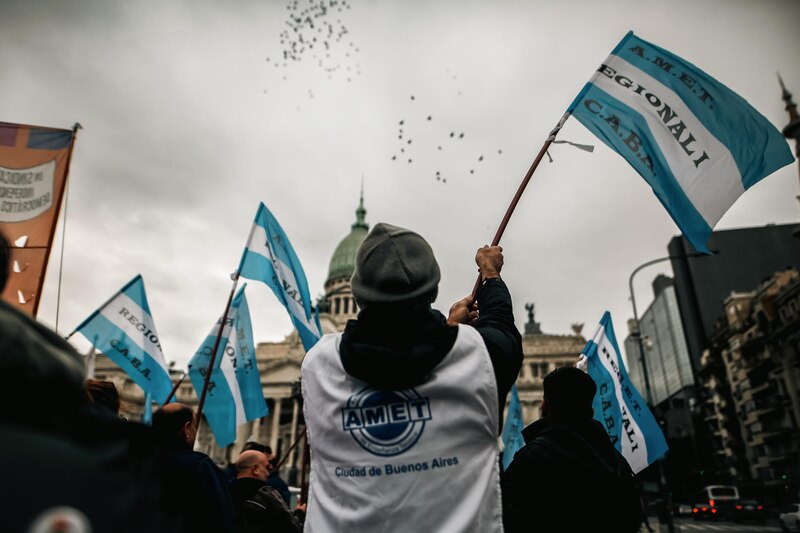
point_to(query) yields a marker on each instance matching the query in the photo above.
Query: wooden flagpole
(175, 388)
(521, 189)
(63, 192)
(292, 447)
(304, 471)
(235, 278)
(222, 321)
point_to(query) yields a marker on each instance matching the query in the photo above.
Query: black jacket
(275, 481)
(569, 477)
(57, 450)
(395, 347)
(195, 490)
(261, 509)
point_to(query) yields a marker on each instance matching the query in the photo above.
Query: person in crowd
(568, 476)
(65, 462)
(195, 491)
(103, 394)
(275, 481)
(259, 507)
(404, 408)
(230, 470)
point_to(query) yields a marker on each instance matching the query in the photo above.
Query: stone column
(255, 431)
(294, 432)
(276, 418)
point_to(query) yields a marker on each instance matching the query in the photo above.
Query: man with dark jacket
(404, 407)
(259, 507)
(195, 490)
(65, 464)
(568, 476)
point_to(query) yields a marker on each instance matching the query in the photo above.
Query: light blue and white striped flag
(698, 144)
(234, 390)
(512, 430)
(269, 257)
(618, 405)
(124, 331)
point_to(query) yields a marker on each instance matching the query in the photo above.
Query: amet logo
(386, 423)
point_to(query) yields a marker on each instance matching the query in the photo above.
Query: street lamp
(661, 474)
(642, 361)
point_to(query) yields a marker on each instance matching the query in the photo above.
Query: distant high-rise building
(745, 258)
(751, 388)
(671, 380)
(667, 357)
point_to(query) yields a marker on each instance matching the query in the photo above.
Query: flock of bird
(315, 32)
(449, 142)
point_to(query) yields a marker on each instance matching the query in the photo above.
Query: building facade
(745, 257)
(667, 357)
(543, 353)
(670, 378)
(751, 379)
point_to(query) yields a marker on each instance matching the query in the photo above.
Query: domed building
(279, 367)
(338, 305)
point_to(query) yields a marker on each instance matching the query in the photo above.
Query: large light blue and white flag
(124, 331)
(512, 430)
(618, 405)
(234, 393)
(698, 144)
(269, 257)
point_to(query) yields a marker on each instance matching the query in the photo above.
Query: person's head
(253, 445)
(568, 393)
(176, 420)
(394, 266)
(252, 464)
(103, 393)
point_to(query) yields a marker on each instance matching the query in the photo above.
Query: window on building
(337, 306)
(346, 305)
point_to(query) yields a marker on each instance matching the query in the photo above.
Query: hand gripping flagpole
(521, 189)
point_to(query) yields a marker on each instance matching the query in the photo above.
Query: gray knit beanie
(394, 265)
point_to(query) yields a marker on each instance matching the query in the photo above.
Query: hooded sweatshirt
(394, 347)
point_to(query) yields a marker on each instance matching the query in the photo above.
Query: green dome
(343, 262)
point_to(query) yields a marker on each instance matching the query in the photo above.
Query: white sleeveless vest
(413, 460)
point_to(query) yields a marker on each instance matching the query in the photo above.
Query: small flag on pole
(618, 405)
(234, 391)
(147, 417)
(124, 331)
(270, 258)
(245, 363)
(698, 144)
(512, 431)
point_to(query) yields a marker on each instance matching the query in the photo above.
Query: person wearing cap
(403, 408)
(568, 476)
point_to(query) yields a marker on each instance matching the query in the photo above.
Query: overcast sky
(190, 118)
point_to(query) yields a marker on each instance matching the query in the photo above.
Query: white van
(722, 499)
